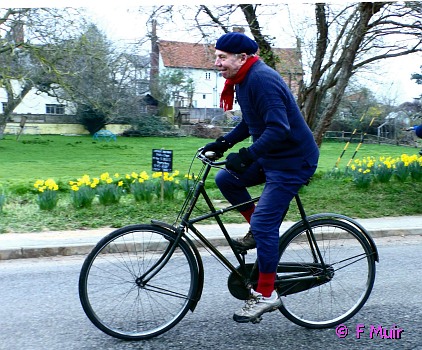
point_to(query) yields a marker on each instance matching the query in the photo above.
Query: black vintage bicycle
(141, 280)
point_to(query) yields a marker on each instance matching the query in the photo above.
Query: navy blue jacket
(281, 137)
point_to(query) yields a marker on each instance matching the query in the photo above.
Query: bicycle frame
(187, 223)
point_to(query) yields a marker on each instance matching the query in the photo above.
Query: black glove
(239, 162)
(219, 146)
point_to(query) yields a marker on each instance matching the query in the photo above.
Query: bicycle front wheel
(350, 267)
(118, 296)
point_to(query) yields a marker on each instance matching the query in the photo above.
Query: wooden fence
(345, 136)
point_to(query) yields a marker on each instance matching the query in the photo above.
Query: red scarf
(227, 95)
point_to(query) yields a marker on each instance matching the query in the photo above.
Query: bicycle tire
(112, 295)
(352, 261)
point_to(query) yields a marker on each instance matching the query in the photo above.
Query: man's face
(228, 63)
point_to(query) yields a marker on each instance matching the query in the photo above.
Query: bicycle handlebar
(209, 158)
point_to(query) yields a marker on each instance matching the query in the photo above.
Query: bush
(93, 120)
(149, 125)
(206, 131)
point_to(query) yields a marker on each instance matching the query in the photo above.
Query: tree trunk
(2, 127)
(265, 51)
(12, 102)
(337, 74)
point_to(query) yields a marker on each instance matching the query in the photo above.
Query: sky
(123, 22)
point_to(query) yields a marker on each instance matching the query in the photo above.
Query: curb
(69, 249)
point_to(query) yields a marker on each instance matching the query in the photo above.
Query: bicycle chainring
(239, 287)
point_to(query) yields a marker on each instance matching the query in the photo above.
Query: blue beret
(418, 131)
(235, 42)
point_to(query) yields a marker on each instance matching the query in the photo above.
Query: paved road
(40, 310)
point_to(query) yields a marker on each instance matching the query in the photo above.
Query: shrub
(206, 131)
(149, 125)
(92, 119)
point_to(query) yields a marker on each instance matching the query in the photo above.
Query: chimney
(17, 32)
(239, 29)
(154, 60)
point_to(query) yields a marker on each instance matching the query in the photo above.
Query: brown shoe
(245, 243)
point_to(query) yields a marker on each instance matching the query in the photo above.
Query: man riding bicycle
(283, 155)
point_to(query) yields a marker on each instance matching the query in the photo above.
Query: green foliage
(83, 197)
(143, 191)
(2, 200)
(47, 200)
(109, 194)
(149, 125)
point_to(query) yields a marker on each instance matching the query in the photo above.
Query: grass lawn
(68, 157)
(65, 158)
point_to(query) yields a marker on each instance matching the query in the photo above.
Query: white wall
(33, 103)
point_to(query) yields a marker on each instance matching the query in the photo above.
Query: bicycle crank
(239, 287)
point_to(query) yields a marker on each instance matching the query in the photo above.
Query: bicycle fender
(349, 220)
(200, 265)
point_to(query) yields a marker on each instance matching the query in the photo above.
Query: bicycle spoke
(117, 299)
(340, 290)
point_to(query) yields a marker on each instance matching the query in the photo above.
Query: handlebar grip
(210, 155)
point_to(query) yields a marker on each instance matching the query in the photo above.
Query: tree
(362, 36)
(345, 40)
(92, 81)
(356, 110)
(28, 37)
(171, 84)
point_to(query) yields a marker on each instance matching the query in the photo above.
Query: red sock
(266, 283)
(247, 214)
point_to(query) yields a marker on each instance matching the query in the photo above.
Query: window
(207, 76)
(3, 105)
(143, 109)
(54, 109)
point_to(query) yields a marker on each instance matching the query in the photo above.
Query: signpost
(162, 161)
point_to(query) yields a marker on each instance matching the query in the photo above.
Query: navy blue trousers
(280, 188)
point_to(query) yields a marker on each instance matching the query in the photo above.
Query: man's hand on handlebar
(417, 129)
(218, 147)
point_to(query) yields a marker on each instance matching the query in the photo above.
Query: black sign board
(162, 160)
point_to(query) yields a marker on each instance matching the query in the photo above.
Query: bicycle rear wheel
(351, 269)
(112, 287)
